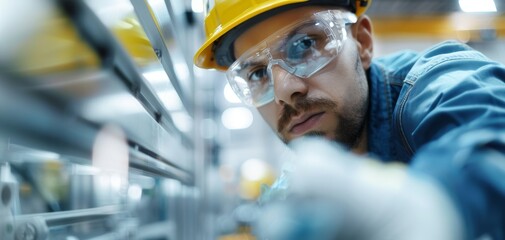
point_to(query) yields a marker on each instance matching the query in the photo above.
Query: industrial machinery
(97, 116)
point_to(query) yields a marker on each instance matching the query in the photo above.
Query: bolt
(157, 117)
(158, 53)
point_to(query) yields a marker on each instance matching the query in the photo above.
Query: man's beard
(349, 128)
(351, 124)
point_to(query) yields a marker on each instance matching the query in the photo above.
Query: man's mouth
(305, 123)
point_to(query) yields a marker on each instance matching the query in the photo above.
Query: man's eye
(305, 43)
(257, 75)
(299, 49)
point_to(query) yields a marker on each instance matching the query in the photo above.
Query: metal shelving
(63, 111)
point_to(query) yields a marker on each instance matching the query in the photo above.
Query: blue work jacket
(442, 112)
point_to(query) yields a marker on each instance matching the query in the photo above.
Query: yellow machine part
(133, 38)
(57, 47)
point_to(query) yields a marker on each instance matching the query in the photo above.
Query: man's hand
(334, 194)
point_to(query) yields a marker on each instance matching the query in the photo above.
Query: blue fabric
(443, 112)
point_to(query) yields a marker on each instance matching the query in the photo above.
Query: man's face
(331, 103)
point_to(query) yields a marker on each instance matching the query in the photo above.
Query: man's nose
(287, 86)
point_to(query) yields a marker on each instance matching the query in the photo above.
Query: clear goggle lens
(302, 49)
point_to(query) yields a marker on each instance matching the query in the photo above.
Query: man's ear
(362, 33)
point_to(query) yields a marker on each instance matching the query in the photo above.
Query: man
(307, 67)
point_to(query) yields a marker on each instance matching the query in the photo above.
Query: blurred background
(107, 131)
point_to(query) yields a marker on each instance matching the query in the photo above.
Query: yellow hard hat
(226, 15)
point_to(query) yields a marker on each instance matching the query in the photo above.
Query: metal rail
(160, 47)
(114, 56)
(74, 216)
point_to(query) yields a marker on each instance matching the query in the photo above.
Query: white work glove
(334, 194)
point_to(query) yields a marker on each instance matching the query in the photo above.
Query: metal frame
(115, 57)
(157, 39)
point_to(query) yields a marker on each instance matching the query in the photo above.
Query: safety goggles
(301, 49)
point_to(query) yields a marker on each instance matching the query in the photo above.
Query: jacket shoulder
(446, 56)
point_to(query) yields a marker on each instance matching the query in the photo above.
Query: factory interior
(108, 130)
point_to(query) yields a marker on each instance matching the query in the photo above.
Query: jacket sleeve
(452, 120)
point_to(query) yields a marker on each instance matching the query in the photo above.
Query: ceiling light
(197, 6)
(237, 118)
(135, 192)
(477, 5)
(254, 169)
